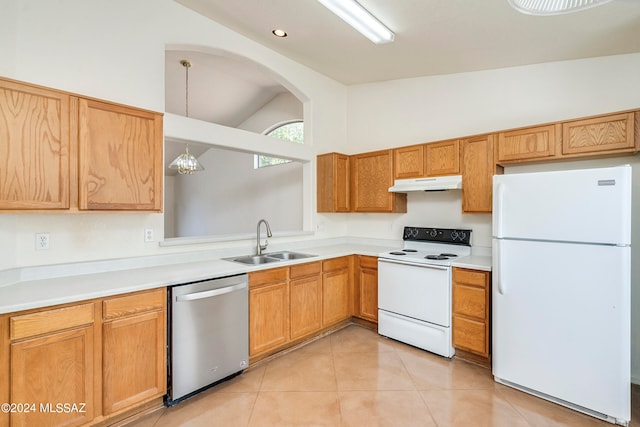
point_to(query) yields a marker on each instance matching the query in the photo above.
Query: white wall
(114, 50)
(412, 111)
(282, 108)
(230, 196)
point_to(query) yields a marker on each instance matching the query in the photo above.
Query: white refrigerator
(561, 287)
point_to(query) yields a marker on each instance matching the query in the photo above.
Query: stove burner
(436, 257)
(397, 253)
(409, 250)
(449, 255)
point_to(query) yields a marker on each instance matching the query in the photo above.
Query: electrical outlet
(42, 241)
(148, 235)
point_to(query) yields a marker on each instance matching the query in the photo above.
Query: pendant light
(553, 7)
(186, 163)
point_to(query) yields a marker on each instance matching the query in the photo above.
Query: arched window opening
(290, 132)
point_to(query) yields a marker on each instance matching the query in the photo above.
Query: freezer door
(561, 322)
(589, 205)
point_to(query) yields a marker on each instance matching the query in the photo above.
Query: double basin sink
(270, 257)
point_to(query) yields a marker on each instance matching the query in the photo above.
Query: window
(291, 132)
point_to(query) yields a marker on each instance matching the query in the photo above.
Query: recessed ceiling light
(279, 33)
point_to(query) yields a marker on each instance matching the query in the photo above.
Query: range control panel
(442, 235)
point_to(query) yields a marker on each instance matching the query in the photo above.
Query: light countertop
(47, 291)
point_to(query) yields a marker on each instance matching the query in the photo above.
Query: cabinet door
(268, 317)
(371, 176)
(333, 183)
(120, 157)
(600, 134)
(478, 169)
(409, 162)
(306, 306)
(528, 144)
(368, 288)
(335, 296)
(443, 158)
(34, 147)
(470, 302)
(133, 360)
(54, 369)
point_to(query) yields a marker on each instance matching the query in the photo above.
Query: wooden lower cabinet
(336, 284)
(367, 288)
(133, 362)
(305, 292)
(53, 361)
(78, 368)
(290, 304)
(268, 310)
(470, 317)
(56, 368)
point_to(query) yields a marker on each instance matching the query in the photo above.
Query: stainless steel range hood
(451, 182)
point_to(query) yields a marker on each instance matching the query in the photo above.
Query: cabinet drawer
(470, 277)
(273, 275)
(368, 262)
(469, 301)
(29, 325)
(131, 304)
(302, 270)
(470, 335)
(335, 264)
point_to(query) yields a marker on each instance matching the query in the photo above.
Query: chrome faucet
(259, 247)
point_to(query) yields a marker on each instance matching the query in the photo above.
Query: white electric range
(414, 287)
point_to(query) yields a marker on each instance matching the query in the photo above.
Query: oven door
(418, 291)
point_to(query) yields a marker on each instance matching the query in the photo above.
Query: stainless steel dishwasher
(208, 334)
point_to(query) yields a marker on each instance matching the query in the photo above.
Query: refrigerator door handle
(498, 214)
(497, 276)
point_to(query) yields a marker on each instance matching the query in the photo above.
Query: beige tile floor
(354, 377)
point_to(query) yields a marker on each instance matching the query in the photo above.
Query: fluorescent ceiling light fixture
(553, 7)
(359, 18)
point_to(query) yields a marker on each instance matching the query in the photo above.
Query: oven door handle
(415, 264)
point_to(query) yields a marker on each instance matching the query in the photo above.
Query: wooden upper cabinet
(478, 168)
(34, 147)
(120, 157)
(528, 144)
(371, 176)
(409, 162)
(442, 158)
(599, 134)
(333, 183)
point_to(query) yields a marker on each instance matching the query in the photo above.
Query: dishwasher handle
(211, 293)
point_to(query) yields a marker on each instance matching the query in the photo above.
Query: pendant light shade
(553, 7)
(186, 163)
